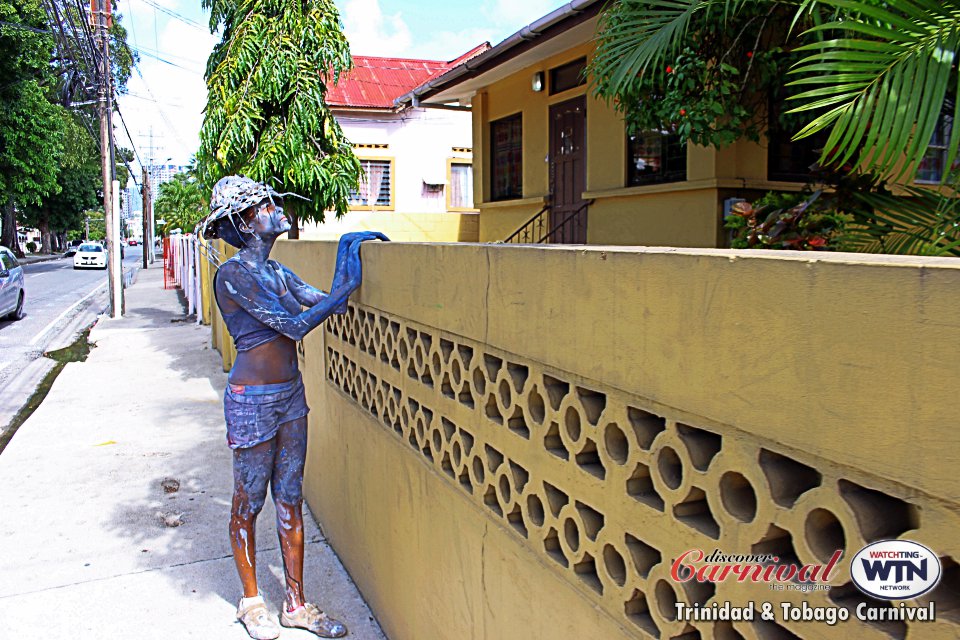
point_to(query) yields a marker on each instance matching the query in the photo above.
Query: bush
(788, 221)
(32, 247)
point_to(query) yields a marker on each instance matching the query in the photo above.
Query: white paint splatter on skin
(246, 546)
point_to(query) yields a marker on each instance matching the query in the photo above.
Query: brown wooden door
(568, 171)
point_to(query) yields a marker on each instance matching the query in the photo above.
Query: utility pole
(145, 216)
(101, 11)
(151, 157)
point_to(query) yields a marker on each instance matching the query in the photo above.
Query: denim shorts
(255, 412)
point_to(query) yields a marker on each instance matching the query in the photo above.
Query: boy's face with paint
(267, 218)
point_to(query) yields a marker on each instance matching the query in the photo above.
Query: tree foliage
(29, 146)
(876, 75)
(78, 179)
(879, 78)
(49, 167)
(181, 203)
(266, 117)
(700, 68)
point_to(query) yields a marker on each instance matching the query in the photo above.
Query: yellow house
(553, 163)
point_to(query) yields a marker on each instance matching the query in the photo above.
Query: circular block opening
(616, 443)
(535, 404)
(666, 600)
(535, 509)
(479, 381)
(505, 397)
(616, 567)
(824, 534)
(572, 534)
(670, 467)
(571, 423)
(738, 496)
(504, 485)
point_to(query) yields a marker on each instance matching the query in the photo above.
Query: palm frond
(637, 35)
(885, 79)
(922, 223)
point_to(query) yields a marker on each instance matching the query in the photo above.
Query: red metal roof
(374, 82)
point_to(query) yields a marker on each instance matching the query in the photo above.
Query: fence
(182, 261)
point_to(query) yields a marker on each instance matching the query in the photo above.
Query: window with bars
(460, 195)
(376, 184)
(655, 156)
(506, 164)
(934, 161)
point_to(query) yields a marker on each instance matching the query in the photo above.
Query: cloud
(447, 45)
(371, 32)
(516, 15)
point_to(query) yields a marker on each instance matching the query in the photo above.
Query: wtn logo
(895, 569)
(903, 570)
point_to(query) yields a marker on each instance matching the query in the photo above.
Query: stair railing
(573, 220)
(530, 230)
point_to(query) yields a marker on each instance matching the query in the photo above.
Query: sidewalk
(85, 550)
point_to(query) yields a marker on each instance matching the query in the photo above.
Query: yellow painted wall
(495, 455)
(401, 227)
(674, 214)
(678, 218)
(219, 336)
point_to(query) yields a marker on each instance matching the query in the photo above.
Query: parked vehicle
(132, 242)
(90, 256)
(12, 293)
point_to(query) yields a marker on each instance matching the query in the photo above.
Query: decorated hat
(231, 196)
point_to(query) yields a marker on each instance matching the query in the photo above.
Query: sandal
(311, 618)
(257, 621)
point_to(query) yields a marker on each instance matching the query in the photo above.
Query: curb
(36, 259)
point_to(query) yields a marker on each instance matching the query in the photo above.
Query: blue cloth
(254, 412)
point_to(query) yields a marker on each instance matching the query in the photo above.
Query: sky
(166, 93)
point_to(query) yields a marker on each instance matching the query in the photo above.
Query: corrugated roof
(375, 82)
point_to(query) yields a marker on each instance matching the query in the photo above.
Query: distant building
(130, 200)
(160, 173)
(417, 161)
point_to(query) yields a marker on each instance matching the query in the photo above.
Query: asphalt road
(60, 303)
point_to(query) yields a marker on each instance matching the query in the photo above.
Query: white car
(90, 256)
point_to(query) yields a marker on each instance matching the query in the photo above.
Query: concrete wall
(401, 227)
(495, 453)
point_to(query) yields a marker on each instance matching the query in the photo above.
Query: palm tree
(881, 77)
(181, 203)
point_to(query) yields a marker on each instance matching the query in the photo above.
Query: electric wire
(24, 27)
(177, 16)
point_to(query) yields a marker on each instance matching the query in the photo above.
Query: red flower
(749, 54)
(683, 112)
(817, 241)
(669, 69)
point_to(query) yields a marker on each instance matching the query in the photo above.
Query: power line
(130, 138)
(24, 27)
(177, 16)
(163, 60)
